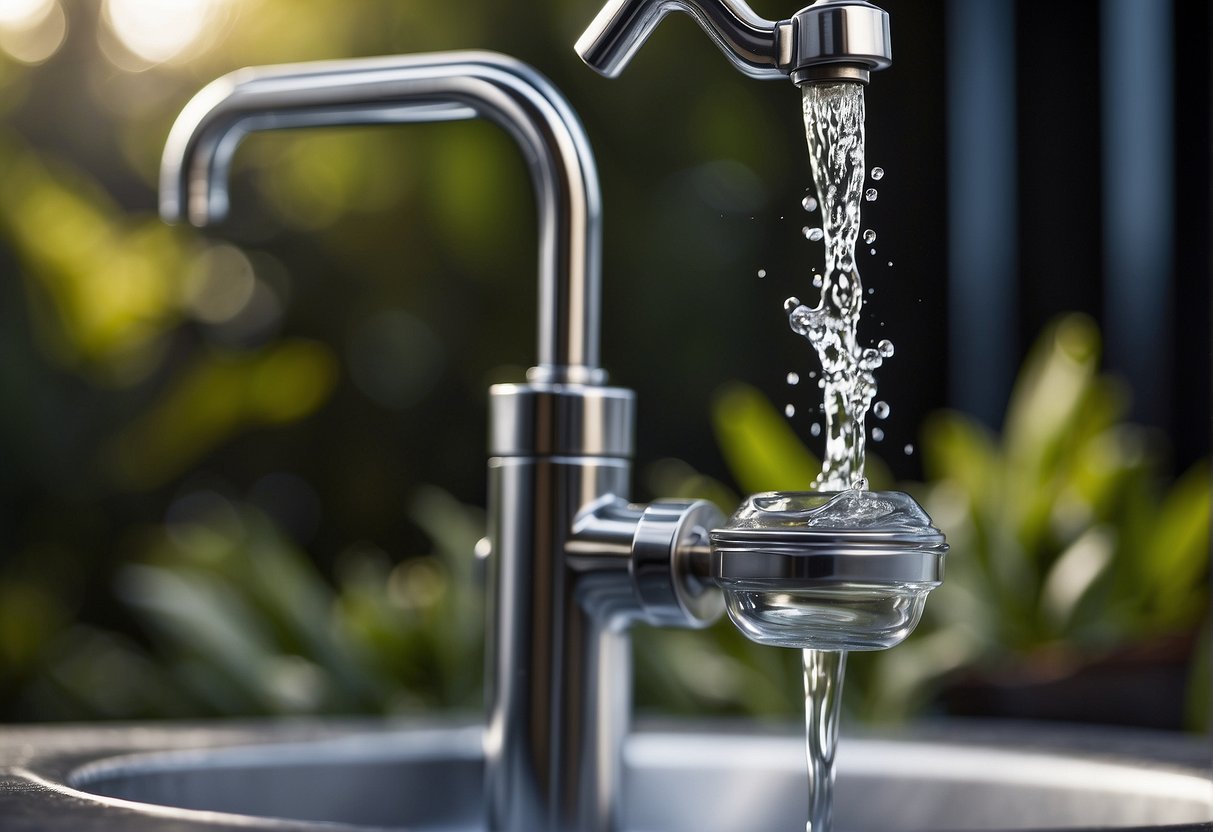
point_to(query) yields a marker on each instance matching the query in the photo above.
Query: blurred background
(240, 470)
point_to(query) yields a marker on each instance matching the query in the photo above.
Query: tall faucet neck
(829, 40)
(421, 88)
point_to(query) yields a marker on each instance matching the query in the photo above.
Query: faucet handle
(829, 40)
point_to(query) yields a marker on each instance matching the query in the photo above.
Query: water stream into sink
(823, 675)
(834, 130)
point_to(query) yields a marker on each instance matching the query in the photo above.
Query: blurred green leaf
(222, 393)
(1176, 557)
(762, 451)
(240, 622)
(111, 280)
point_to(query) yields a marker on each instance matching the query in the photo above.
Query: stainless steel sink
(360, 775)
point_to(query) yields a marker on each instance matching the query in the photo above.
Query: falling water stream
(834, 128)
(834, 115)
(823, 672)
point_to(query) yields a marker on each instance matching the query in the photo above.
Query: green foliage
(240, 622)
(225, 392)
(1067, 528)
(762, 451)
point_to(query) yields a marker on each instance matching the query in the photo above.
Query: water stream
(834, 129)
(823, 675)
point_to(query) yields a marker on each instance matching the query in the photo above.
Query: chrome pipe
(750, 42)
(827, 41)
(421, 88)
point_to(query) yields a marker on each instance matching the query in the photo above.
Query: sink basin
(362, 775)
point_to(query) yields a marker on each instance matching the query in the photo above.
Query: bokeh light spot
(24, 14)
(160, 30)
(219, 285)
(31, 31)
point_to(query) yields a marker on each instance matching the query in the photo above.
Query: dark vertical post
(1139, 197)
(982, 200)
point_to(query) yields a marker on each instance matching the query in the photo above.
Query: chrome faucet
(571, 562)
(829, 40)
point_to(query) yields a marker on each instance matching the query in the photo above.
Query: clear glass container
(847, 570)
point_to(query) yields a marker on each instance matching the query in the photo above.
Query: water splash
(834, 127)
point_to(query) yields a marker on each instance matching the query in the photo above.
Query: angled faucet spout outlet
(409, 89)
(750, 42)
(827, 41)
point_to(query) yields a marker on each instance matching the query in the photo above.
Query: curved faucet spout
(829, 40)
(750, 42)
(420, 88)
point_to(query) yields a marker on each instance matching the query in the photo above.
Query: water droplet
(869, 236)
(789, 410)
(870, 194)
(821, 384)
(871, 290)
(881, 410)
(877, 174)
(815, 429)
(809, 203)
(813, 234)
(793, 378)
(885, 347)
(909, 449)
(890, 263)
(877, 434)
(762, 272)
(860, 484)
(873, 251)
(817, 281)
